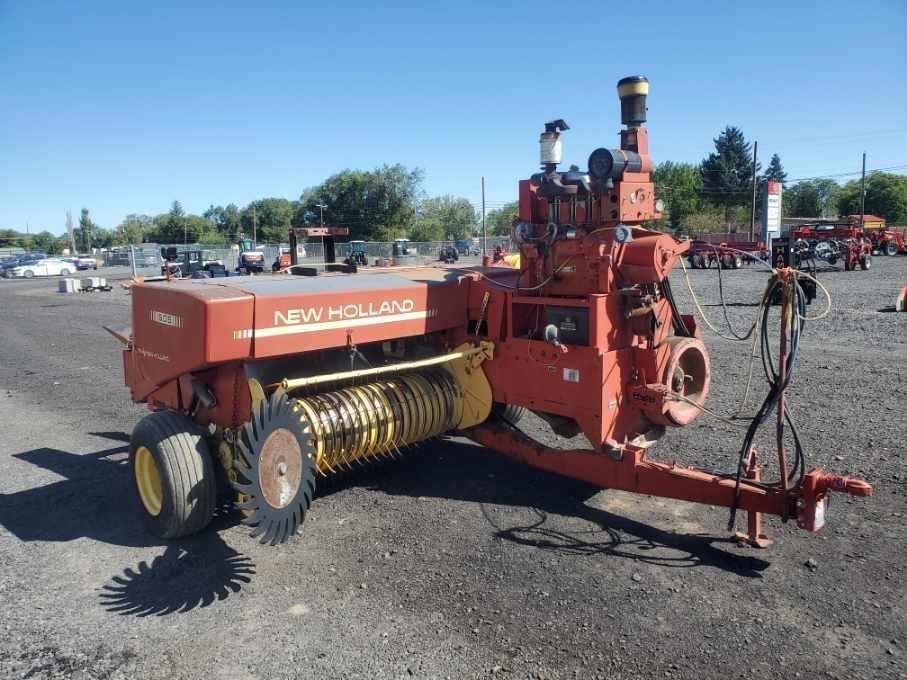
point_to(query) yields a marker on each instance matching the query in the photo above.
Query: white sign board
(771, 210)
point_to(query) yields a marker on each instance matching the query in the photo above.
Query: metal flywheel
(276, 471)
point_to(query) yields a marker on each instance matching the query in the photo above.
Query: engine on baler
(596, 282)
(259, 385)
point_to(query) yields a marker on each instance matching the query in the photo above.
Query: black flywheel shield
(276, 470)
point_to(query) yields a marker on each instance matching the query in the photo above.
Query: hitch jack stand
(754, 536)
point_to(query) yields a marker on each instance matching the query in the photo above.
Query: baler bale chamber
(258, 386)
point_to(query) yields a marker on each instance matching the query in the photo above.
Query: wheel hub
(280, 468)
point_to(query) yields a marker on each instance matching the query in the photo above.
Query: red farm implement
(703, 254)
(834, 243)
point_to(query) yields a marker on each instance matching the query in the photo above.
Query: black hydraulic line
(724, 304)
(770, 403)
(680, 326)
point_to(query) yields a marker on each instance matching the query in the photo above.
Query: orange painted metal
(630, 470)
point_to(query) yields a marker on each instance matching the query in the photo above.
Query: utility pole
(254, 225)
(753, 211)
(863, 193)
(321, 207)
(484, 228)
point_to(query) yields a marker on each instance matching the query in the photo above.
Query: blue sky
(123, 107)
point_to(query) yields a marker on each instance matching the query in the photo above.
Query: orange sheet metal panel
(173, 325)
(329, 311)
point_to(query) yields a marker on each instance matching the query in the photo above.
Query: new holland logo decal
(331, 317)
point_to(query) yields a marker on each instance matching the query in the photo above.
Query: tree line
(378, 205)
(716, 194)
(389, 202)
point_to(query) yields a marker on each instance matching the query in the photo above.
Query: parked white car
(48, 267)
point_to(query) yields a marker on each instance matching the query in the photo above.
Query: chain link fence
(148, 255)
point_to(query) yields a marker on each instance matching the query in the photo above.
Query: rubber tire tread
(186, 469)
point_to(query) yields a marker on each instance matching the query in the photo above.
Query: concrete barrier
(69, 286)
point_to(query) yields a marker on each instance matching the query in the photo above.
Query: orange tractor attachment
(259, 386)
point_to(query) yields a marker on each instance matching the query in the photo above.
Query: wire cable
(705, 319)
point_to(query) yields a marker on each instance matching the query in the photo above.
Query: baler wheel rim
(148, 481)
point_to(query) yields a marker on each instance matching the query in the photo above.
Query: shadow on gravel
(190, 574)
(619, 536)
(463, 472)
(95, 500)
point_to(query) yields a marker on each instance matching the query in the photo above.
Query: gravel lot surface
(454, 562)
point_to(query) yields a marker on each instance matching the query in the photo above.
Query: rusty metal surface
(280, 468)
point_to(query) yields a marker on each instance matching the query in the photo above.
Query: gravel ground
(453, 562)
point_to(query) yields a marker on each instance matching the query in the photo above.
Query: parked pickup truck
(85, 262)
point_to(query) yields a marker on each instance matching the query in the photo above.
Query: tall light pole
(484, 229)
(321, 207)
(753, 208)
(863, 194)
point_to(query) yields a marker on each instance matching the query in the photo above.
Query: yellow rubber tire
(173, 474)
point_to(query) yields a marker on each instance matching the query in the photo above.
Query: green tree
(133, 228)
(775, 171)
(500, 220)
(679, 185)
(444, 218)
(270, 217)
(10, 238)
(828, 191)
(101, 238)
(169, 227)
(802, 200)
(84, 238)
(200, 230)
(811, 198)
(708, 219)
(45, 242)
(176, 224)
(226, 219)
(178, 227)
(727, 173)
(886, 196)
(379, 204)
